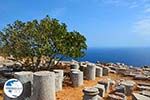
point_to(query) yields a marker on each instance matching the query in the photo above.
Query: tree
(36, 39)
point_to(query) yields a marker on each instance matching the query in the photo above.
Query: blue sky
(105, 23)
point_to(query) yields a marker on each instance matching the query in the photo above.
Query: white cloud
(147, 10)
(126, 3)
(142, 26)
(133, 5)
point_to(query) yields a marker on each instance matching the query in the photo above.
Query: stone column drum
(26, 78)
(90, 72)
(101, 89)
(58, 79)
(99, 72)
(106, 85)
(105, 71)
(44, 86)
(128, 87)
(77, 78)
(74, 66)
(91, 93)
(74, 70)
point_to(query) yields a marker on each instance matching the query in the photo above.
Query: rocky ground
(116, 73)
(71, 93)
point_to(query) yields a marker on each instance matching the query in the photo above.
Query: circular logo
(13, 88)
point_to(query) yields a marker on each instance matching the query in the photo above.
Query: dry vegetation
(71, 93)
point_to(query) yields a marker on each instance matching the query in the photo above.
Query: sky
(105, 23)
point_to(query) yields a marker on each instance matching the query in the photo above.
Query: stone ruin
(50, 82)
(41, 85)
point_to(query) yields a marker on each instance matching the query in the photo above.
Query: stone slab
(137, 96)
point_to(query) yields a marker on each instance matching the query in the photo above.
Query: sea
(136, 57)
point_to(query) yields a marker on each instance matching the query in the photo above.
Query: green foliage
(46, 37)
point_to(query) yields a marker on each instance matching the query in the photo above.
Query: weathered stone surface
(140, 77)
(91, 93)
(99, 72)
(121, 70)
(144, 88)
(106, 83)
(114, 97)
(101, 89)
(147, 73)
(44, 86)
(26, 78)
(143, 84)
(112, 84)
(2, 82)
(120, 88)
(77, 78)
(128, 86)
(90, 72)
(137, 96)
(113, 68)
(105, 71)
(121, 95)
(74, 70)
(58, 79)
(112, 71)
(74, 66)
(83, 68)
(146, 93)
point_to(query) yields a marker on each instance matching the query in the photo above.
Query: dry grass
(71, 93)
(1, 94)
